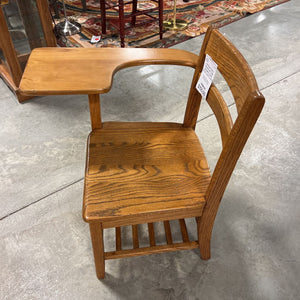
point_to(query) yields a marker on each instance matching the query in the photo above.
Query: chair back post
(95, 111)
(194, 100)
(225, 166)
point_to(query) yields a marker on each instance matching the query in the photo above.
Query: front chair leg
(204, 237)
(98, 248)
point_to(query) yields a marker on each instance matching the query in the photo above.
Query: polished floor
(45, 249)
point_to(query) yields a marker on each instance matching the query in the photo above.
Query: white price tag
(207, 76)
(95, 39)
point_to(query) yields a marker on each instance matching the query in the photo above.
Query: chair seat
(139, 172)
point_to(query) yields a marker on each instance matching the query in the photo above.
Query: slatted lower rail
(137, 251)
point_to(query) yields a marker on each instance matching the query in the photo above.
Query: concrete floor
(45, 249)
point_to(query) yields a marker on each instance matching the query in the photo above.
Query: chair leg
(134, 10)
(160, 17)
(98, 248)
(204, 237)
(122, 22)
(103, 16)
(83, 3)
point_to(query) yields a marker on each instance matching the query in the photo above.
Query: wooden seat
(141, 173)
(132, 173)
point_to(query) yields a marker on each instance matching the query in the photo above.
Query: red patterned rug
(199, 14)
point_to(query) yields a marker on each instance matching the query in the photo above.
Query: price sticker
(207, 76)
(95, 39)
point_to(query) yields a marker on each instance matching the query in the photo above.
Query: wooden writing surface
(56, 71)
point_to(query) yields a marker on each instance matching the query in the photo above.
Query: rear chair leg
(98, 248)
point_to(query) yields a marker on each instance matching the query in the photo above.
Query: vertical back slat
(168, 232)
(135, 236)
(233, 67)
(221, 111)
(151, 234)
(118, 239)
(95, 111)
(184, 232)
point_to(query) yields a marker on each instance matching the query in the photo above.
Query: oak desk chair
(138, 173)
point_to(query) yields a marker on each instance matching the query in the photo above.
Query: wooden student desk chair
(139, 173)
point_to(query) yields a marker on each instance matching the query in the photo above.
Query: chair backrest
(249, 102)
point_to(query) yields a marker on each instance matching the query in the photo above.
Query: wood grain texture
(158, 216)
(54, 71)
(194, 100)
(249, 102)
(140, 125)
(139, 173)
(118, 239)
(150, 250)
(96, 231)
(151, 234)
(229, 156)
(168, 232)
(221, 111)
(135, 237)
(233, 67)
(144, 174)
(95, 111)
(184, 232)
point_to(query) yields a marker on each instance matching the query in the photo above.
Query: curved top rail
(62, 71)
